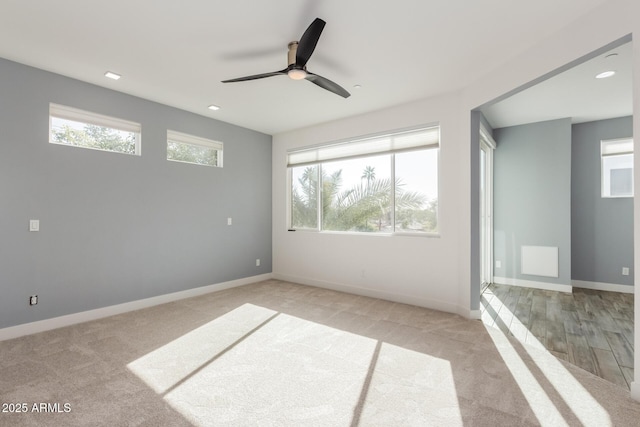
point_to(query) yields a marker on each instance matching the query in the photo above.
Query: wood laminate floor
(590, 329)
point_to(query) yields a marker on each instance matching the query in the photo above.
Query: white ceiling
(177, 53)
(574, 93)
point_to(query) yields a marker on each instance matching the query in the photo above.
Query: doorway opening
(591, 324)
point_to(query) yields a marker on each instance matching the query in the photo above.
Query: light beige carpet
(280, 354)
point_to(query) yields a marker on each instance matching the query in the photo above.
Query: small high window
(182, 147)
(78, 128)
(617, 167)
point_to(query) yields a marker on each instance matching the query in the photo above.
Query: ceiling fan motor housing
(295, 71)
(291, 55)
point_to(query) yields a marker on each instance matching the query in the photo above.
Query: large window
(185, 148)
(617, 167)
(384, 184)
(79, 128)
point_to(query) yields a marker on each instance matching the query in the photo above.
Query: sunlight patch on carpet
(254, 365)
(290, 372)
(412, 386)
(165, 367)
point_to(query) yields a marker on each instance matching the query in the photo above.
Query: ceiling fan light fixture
(297, 74)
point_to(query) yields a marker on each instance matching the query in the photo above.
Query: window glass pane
(349, 186)
(621, 182)
(304, 197)
(617, 176)
(356, 195)
(78, 134)
(417, 191)
(188, 153)
(182, 147)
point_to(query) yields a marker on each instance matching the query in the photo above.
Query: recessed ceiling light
(605, 74)
(112, 75)
(213, 107)
(357, 86)
(611, 55)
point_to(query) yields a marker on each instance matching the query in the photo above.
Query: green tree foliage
(305, 199)
(425, 219)
(98, 137)
(364, 207)
(192, 154)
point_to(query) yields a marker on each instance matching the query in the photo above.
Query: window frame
(605, 145)
(391, 153)
(195, 141)
(85, 117)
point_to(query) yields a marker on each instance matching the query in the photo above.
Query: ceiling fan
(299, 54)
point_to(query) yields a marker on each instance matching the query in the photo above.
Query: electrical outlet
(229, 221)
(258, 262)
(33, 300)
(498, 264)
(625, 271)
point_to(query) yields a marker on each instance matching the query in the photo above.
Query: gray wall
(532, 195)
(601, 228)
(117, 228)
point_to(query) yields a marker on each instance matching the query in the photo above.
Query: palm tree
(369, 174)
(363, 205)
(356, 209)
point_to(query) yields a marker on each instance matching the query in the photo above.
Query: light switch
(34, 225)
(229, 221)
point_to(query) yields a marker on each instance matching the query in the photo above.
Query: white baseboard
(474, 315)
(376, 293)
(635, 391)
(99, 313)
(558, 287)
(600, 286)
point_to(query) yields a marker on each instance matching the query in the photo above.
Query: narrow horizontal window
(385, 185)
(182, 147)
(617, 168)
(78, 128)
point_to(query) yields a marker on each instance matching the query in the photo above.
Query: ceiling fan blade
(327, 84)
(308, 42)
(256, 76)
